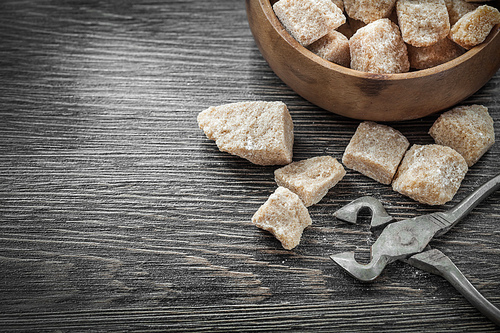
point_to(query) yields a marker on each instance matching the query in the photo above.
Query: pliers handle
(436, 262)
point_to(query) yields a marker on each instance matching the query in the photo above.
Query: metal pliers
(408, 240)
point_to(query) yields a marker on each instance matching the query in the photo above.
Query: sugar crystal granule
(368, 10)
(430, 174)
(334, 47)
(375, 150)
(429, 56)
(458, 8)
(467, 129)
(308, 20)
(261, 132)
(310, 179)
(285, 216)
(423, 22)
(379, 48)
(473, 28)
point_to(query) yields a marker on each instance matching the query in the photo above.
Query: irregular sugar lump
(379, 48)
(423, 22)
(467, 129)
(430, 174)
(375, 150)
(308, 20)
(473, 28)
(368, 10)
(458, 8)
(261, 132)
(310, 179)
(334, 47)
(285, 216)
(429, 56)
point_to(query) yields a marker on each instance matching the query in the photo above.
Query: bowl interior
(267, 7)
(368, 96)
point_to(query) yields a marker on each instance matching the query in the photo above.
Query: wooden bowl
(366, 96)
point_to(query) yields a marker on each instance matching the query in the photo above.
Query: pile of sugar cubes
(387, 36)
(384, 36)
(262, 132)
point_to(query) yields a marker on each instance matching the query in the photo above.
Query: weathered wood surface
(117, 213)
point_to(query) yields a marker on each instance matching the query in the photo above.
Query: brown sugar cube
(308, 20)
(473, 28)
(285, 216)
(379, 48)
(334, 47)
(467, 129)
(334, 12)
(310, 179)
(423, 22)
(458, 8)
(368, 10)
(261, 132)
(434, 55)
(375, 150)
(430, 174)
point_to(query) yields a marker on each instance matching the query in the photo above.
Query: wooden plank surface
(117, 213)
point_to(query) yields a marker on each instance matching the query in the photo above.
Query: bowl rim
(278, 27)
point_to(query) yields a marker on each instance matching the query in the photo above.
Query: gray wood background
(118, 214)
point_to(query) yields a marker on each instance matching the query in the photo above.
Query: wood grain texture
(118, 214)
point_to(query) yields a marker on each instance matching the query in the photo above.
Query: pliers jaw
(349, 213)
(366, 273)
(379, 219)
(397, 240)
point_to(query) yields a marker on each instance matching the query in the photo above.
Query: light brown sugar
(310, 179)
(285, 216)
(261, 132)
(375, 150)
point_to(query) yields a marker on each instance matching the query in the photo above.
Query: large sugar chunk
(261, 132)
(375, 150)
(423, 22)
(379, 48)
(473, 28)
(308, 20)
(368, 10)
(310, 179)
(285, 216)
(430, 174)
(467, 129)
(333, 47)
(458, 8)
(429, 56)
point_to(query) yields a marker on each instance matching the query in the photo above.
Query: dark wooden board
(117, 213)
